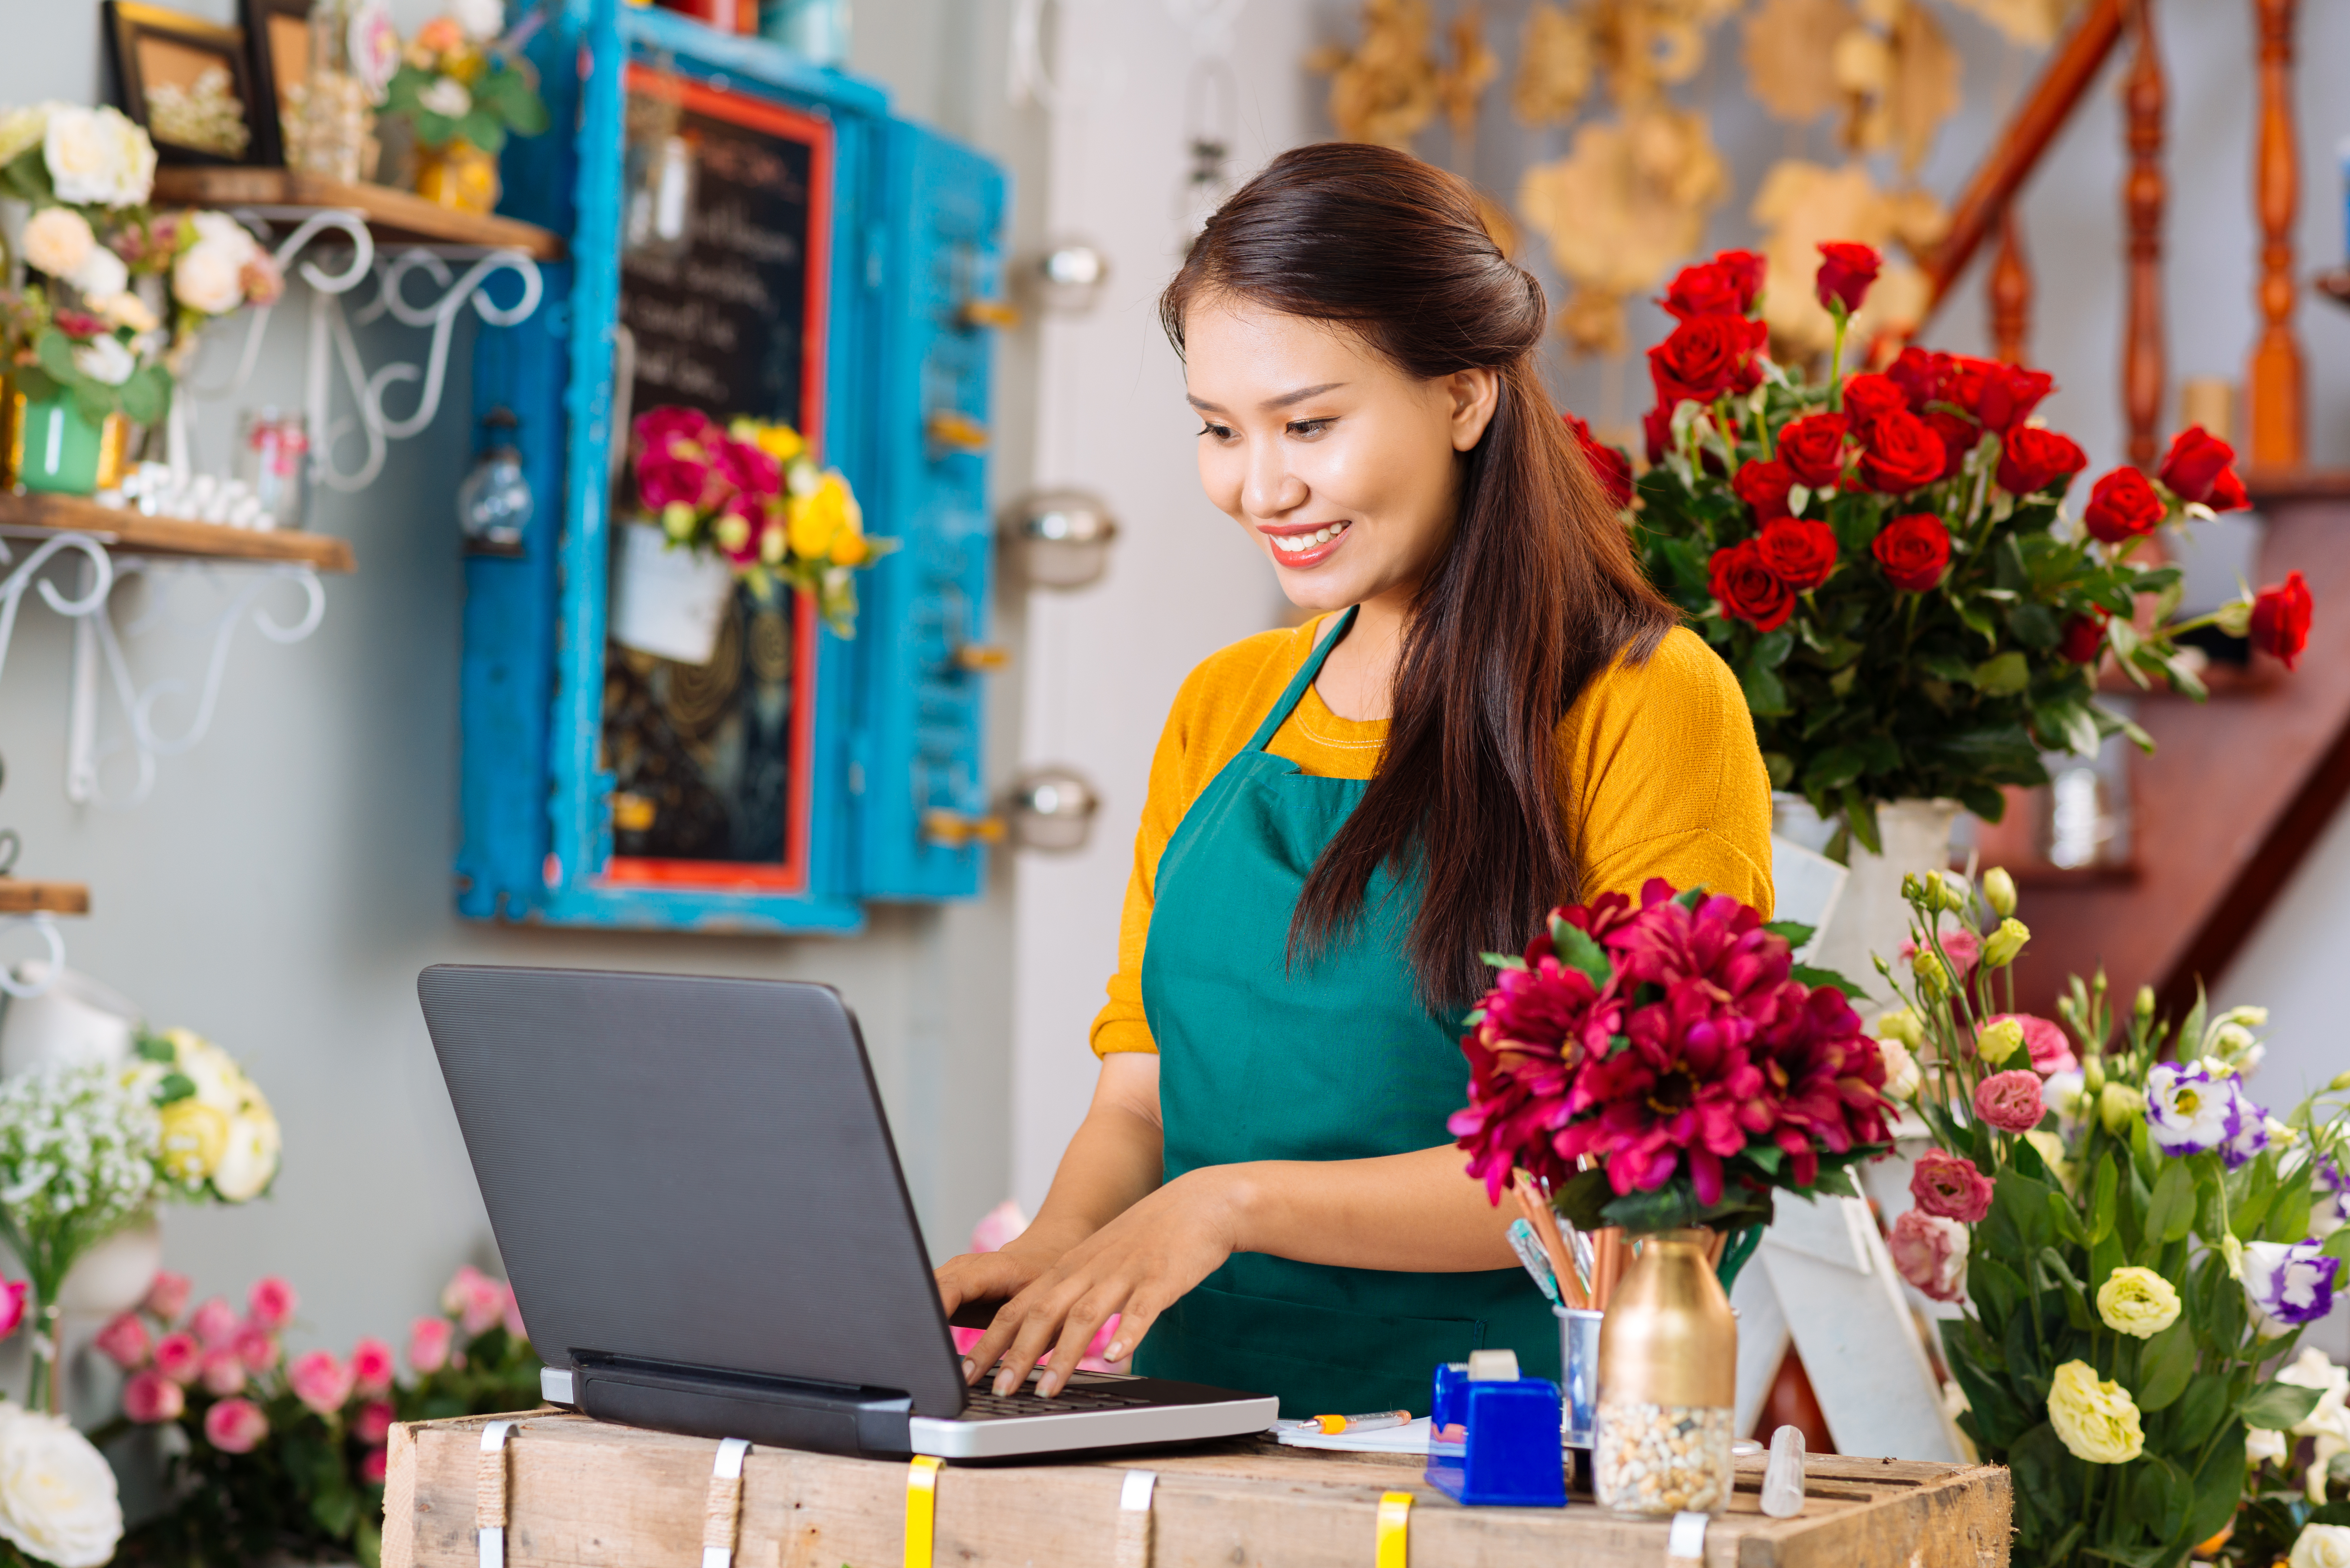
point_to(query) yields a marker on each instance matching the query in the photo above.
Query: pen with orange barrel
(1332, 1426)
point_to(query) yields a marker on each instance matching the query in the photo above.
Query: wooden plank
(392, 215)
(2268, 485)
(52, 897)
(583, 1494)
(136, 534)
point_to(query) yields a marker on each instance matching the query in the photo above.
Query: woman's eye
(1309, 429)
(1221, 433)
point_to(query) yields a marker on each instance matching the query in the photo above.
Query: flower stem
(1835, 365)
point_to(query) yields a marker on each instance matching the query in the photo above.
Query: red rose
(2032, 459)
(2194, 463)
(2227, 492)
(1726, 285)
(2085, 636)
(1959, 437)
(1872, 397)
(1611, 468)
(1813, 450)
(1900, 452)
(2123, 505)
(77, 323)
(1706, 357)
(1656, 434)
(1913, 550)
(2279, 626)
(1925, 376)
(1746, 587)
(1846, 272)
(2002, 396)
(1764, 487)
(1800, 551)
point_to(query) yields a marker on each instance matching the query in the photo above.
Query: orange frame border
(791, 874)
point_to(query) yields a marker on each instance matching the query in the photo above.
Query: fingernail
(1005, 1384)
(967, 1369)
(1116, 1351)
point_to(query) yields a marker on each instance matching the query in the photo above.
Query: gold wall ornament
(1555, 65)
(1789, 54)
(1802, 205)
(1385, 90)
(1461, 84)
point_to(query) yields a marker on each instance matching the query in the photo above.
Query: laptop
(701, 1211)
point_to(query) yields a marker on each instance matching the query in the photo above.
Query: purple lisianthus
(2251, 1135)
(2291, 1282)
(2193, 1110)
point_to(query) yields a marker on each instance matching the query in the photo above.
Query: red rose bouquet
(1887, 561)
(1668, 1064)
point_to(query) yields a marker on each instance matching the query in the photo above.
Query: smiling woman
(1493, 713)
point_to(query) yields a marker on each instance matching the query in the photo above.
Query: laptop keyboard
(983, 1404)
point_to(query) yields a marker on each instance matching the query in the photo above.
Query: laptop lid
(693, 1170)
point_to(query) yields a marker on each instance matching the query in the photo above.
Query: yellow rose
(2139, 1301)
(195, 1136)
(779, 441)
(2119, 1104)
(1901, 1024)
(849, 549)
(819, 517)
(2096, 1421)
(2000, 947)
(1996, 1041)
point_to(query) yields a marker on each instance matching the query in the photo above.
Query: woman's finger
(1037, 1331)
(997, 1339)
(1078, 1330)
(1141, 1311)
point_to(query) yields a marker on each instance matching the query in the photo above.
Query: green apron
(1333, 1060)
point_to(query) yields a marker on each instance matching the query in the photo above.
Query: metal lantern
(1070, 278)
(1053, 809)
(1060, 538)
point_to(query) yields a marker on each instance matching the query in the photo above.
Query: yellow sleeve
(1668, 778)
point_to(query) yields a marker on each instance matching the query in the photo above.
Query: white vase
(667, 602)
(115, 1275)
(75, 1021)
(1869, 916)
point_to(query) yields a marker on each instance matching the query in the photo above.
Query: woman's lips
(1304, 548)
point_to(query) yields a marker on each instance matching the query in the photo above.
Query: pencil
(1572, 1288)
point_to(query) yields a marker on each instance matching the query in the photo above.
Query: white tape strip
(722, 1511)
(1133, 1546)
(490, 1494)
(1686, 1541)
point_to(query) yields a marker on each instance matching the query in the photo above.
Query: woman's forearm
(1419, 1212)
(1112, 1163)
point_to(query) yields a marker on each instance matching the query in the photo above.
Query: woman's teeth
(1298, 544)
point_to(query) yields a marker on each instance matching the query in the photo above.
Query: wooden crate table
(582, 1492)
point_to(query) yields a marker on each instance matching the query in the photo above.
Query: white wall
(288, 879)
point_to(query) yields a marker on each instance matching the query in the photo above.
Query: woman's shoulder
(1682, 682)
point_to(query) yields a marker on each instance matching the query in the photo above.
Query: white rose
(105, 360)
(207, 278)
(127, 309)
(2322, 1546)
(57, 240)
(57, 1500)
(481, 19)
(220, 229)
(98, 155)
(100, 277)
(21, 129)
(2260, 1444)
(446, 96)
(250, 1160)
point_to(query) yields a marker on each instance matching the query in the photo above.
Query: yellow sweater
(1660, 757)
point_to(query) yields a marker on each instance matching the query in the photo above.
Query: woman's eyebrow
(1283, 401)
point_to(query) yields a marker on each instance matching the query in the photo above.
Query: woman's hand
(991, 1276)
(1137, 1265)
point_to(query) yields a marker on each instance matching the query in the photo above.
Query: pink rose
(2051, 1052)
(1963, 946)
(2010, 1101)
(371, 1468)
(427, 1345)
(235, 1426)
(215, 1323)
(478, 1300)
(750, 469)
(1951, 1188)
(124, 1341)
(256, 1347)
(322, 1380)
(150, 1397)
(223, 1372)
(512, 1318)
(167, 1298)
(12, 1305)
(1931, 1252)
(373, 1423)
(271, 1301)
(179, 1357)
(372, 1370)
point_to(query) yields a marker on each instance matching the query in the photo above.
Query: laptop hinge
(704, 1402)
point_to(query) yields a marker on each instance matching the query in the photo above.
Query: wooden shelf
(136, 534)
(396, 215)
(43, 898)
(2267, 485)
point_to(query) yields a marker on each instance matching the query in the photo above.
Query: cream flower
(2261, 1444)
(21, 129)
(97, 156)
(127, 309)
(446, 97)
(1902, 1079)
(57, 1498)
(99, 276)
(2321, 1546)
(2139, 1301)
(250, 1162)
(105, 360)
(2095, 1420)
(207, 278)
(56, 240)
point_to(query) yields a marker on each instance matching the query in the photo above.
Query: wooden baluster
(2010, 292)
(2279, 420)
(2143, 195)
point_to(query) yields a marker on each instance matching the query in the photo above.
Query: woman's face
(1344, 469)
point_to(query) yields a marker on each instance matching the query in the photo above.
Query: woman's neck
(1357, 681)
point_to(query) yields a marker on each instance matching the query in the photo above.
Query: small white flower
(2062, 1093)
(2261, 1444)
(100, 277)
(2321, 1546)
(57, 1498)
(105, 359)
(127, 309)
(250, 1162)
(97, 156)
(481, 19)
(220, 229)
(56, 240)
(447, 96)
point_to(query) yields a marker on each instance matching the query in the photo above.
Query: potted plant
(461, 90)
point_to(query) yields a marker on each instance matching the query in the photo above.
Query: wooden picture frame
(188, 81)
(277, 45)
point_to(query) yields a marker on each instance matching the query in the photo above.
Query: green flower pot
(55, 449)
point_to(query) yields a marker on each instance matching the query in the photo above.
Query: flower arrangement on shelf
(1885, 561)
(463, 90)
(752, 492)
(2297, 1497)
(286, 1455)
(2135, 1241)
(218, 1138)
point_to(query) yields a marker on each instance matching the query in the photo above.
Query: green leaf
(54, 349)
(2134, 1556)
(155, 1048)
(2218, 1488)
(2101, 1201)
(1771, 650)
(2199, 1411)
(2007, 672)
(2165, 1364)
(2067, 1219)
(2172, 1213)
(174, 1088)
(1581, 1201)
(1765, 694)
(1816, 978)
(147, 395)
(1782, 769)
(1501, 960)
(1795, 933)
(2276, 1405)
(2034, 625)
(1578, 951)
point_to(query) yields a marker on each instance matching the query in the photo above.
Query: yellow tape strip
(922, 1507)
(1395, 1530)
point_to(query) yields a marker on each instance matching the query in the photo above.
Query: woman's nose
(1271, 489)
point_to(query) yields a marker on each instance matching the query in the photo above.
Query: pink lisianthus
(478, 1300)
(373, 1423)
(256, 1347)
(124, 1341)
(511, 1317)
(320, 1379)
(1931, 1252)
(179, 1357)
(372, 1465)
(12, 1305)
(1963, 946)
(272, 1303)
(2010, 1101)
(1949, 1188)
(372, 1370)
(215, 1323)
(149, 1398)
(223, 1372)
(167, 1298)
(427, 1345)
(2051, 1052)
(235, 1426)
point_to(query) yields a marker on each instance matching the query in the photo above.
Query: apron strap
(1290, 695)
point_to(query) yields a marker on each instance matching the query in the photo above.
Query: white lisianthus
(447, 96)
(250, 1162)
(105, 359)
(2321, 1546)
(2061, 1093)
(127, 309)
(1902, 1079)
(56, 240)
(100, 277)
(481, 19)
(208, 278)
(21, 129)
(57, 1497)
(220, 229)
(2261, 1444)
(97, 156)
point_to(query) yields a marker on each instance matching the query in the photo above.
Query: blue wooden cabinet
(886, 768)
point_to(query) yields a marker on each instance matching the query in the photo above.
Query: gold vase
(1667, 1383)
(459, 176)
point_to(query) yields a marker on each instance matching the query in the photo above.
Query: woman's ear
(1474, 394)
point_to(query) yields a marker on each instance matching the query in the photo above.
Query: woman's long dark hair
(1537, 593)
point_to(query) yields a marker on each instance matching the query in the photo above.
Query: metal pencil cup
(1578, 1355)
